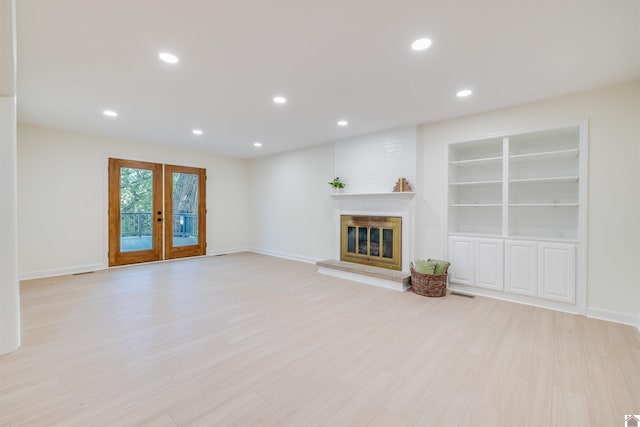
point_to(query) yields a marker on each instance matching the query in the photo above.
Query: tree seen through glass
(185, 209)
(136, 199)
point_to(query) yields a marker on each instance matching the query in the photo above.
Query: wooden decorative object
(402, 186)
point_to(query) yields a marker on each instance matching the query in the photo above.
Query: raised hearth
(383, 277)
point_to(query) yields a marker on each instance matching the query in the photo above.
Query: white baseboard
(219, 252)
(614, 316)
(61, 271)
(591, 312)
(40, 274)
(515, 298)
(284, 255)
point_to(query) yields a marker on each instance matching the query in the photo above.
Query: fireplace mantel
(372, 202)
(361, 196)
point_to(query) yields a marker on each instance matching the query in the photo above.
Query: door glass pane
(387, 243)
(185, 209)
(136, 190)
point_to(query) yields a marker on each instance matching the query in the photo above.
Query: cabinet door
(557, 271)
(461, 258)
(521, 272)
(489, 265)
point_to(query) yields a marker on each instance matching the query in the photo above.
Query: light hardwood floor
(247, 340)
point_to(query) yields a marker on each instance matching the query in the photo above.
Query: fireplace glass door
(371, 240)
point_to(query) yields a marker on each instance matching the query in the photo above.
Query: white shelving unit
(475, 187)
(516, 201)
(546, 179)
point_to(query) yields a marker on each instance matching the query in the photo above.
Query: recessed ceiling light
(464, 93)
(257, 144)
(280, 100)
(342, 122)
(169, 58)
(197, 132)
(110, 113)
(421, 44)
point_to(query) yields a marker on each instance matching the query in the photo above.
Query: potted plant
(337, 184)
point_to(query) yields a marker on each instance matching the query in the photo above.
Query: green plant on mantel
(336, 183)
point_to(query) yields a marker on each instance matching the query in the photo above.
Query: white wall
(62, 198)
(613, 274)
(291, 211)
(373, 163)
(9, 289)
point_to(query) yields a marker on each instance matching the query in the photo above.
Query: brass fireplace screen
(371, 240)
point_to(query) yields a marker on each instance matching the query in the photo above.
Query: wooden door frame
(116, 256)
(192, 250)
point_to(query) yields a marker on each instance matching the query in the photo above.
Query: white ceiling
(331, 59)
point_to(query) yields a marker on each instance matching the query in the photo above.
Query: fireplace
(371, 240)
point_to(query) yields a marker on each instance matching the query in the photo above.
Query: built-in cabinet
(461, 255)
(478, 262)
(557, 271)
(542, 269)
(516, 213)
(489, 271)
(521, 267)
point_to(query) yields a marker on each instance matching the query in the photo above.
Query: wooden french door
(148, 201)
(135, 212)
(185, 210)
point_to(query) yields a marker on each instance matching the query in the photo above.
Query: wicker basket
(428, 285)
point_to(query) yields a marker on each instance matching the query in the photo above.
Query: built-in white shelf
(476, 182)
(522, 184)
(392, 195)
(574, 152)
(475, 162)
(546, 179)
(491, 235)
(517, 237)
(544, 238)
(475, 205)
(550, 204)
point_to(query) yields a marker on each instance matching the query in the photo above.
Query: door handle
(159, 220)
(159, 212)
